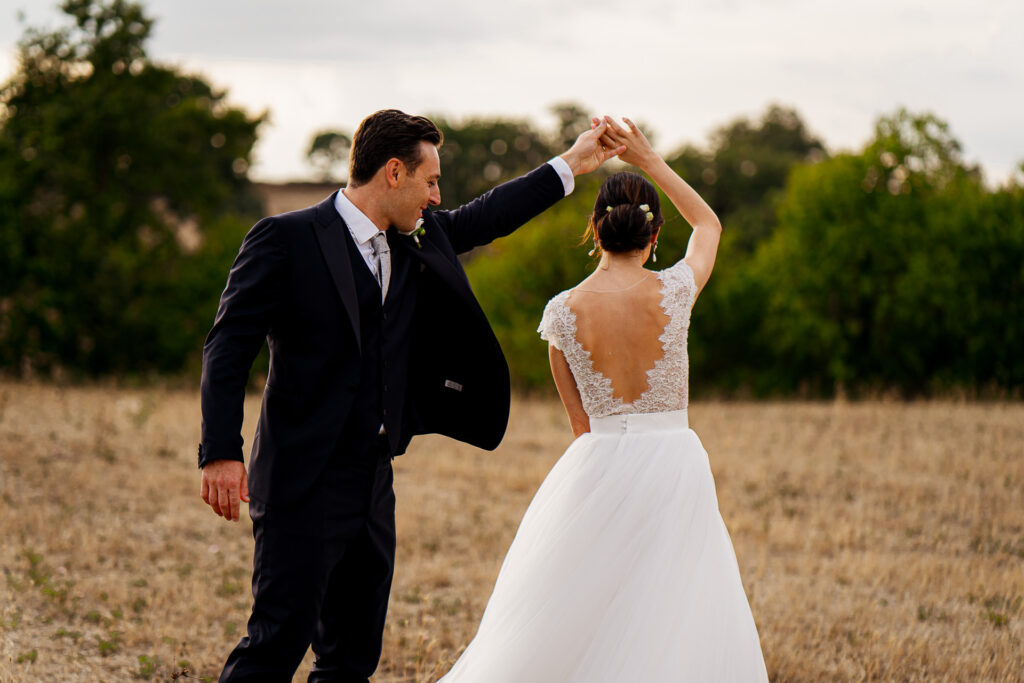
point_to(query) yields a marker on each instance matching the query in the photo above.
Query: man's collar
(362, 228)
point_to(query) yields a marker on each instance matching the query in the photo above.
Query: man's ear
(393, 170)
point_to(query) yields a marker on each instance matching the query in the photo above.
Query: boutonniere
(415, 232)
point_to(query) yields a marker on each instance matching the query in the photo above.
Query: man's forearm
(504, 208)
(222, 392)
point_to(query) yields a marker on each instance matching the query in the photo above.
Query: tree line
(892, 268)
(124, 195)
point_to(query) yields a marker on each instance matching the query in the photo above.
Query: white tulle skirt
(621, 570)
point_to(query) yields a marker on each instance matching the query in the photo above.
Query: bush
(123, 197)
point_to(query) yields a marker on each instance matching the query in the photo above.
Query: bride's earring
(654, 252)
(592, 251)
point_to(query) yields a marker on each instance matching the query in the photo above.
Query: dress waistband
(640, 422)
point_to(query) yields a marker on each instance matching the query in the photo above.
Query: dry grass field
(877, 541)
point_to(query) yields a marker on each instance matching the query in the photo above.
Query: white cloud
(683, 66)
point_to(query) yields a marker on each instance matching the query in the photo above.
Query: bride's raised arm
(707, 230)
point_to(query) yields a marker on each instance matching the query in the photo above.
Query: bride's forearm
(579, 425)
(702, 248)
(690, 204)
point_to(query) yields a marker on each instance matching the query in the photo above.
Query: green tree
(895, 267)
(571, 119)
(742, 174)
(121, 183)
(328, 150)
(744, 169)
(479, 153)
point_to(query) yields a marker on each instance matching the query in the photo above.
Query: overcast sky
(682, 66)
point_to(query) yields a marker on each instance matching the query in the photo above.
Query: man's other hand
(588, 152)
(225, 483)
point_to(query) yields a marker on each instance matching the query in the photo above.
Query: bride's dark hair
(626, 227)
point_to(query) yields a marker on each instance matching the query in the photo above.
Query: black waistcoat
(386, 340)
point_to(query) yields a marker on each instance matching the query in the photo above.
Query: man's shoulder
(284, 228)
(322, 210)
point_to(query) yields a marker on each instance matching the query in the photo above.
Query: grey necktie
(383, 254)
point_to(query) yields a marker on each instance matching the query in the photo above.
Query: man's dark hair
(389, 134)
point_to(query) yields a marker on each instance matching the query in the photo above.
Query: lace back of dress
(637, 340)
(621, 334)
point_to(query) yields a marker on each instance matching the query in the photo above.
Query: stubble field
(877, 541)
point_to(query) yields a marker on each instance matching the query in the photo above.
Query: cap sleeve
(681, 284)
(551, 328)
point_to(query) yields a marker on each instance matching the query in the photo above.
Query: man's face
(418, 190)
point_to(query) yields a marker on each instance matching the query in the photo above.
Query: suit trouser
(322, 573)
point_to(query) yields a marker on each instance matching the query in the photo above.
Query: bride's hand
(638, 152)
(588, 152)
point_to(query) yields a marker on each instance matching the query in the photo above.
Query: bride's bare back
(626, 350)
(621, 330)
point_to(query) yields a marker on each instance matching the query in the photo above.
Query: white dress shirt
(363, 229)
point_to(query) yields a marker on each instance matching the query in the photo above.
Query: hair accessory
(644, 207)
(608, 209)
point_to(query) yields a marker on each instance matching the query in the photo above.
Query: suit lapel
(430, 255)
(333, 244)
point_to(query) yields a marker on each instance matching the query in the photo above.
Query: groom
(374, 336)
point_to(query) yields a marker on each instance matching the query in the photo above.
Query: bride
(622, 569)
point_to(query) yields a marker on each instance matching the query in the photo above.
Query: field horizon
(877, 540)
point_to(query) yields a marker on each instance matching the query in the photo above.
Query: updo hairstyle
(626, 227)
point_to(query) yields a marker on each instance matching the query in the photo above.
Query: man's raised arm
(501, 210)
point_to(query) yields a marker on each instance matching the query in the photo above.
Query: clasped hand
(607, 139)
(636, 149)
(589, 151)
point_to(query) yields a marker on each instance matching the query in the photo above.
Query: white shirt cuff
(565, 173)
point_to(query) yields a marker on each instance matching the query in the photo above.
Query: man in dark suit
(374, 336)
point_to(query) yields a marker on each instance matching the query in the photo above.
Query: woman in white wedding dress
(622, 568)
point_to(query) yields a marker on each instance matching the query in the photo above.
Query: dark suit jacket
(292, 285)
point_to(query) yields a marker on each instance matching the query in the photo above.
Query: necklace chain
(621, 289)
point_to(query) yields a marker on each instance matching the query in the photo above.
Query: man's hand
(638, 151)
(588, 152)
(225, 483)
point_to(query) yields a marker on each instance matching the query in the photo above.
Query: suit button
(385, 316)
(385, 411)
(385, 387)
